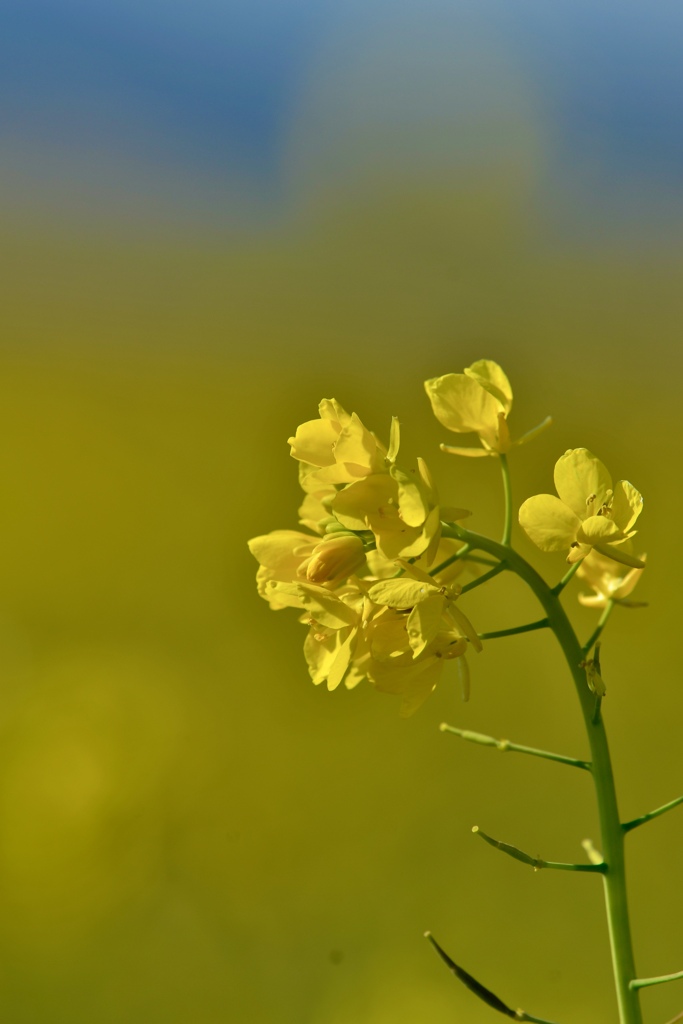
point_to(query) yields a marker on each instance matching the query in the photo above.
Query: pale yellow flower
(287, 556)
(334, 619)
(415, 679)
(609, 581)
(401, 509)
(280, 555)
(432, 607)
(589, 512)
(477, 401)
(339, 447)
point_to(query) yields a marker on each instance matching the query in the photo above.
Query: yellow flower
(589, 513)
(432, 607)
(418, 629)
(477, 401)
(400, 508)
(280, 555)
(338, 447)
(608, 580)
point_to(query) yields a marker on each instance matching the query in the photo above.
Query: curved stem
(507, 488)
(528, 627)
(501, 567)
(612, 834)
(450, 560)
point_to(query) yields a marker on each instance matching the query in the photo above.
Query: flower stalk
(611, 831)
(379, 575)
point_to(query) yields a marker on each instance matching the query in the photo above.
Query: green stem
(569, 575)
(595, 635)
(507, 489)
(627, 826)
(464, 550)
(536, 862)
(612, 833)
(505, 745)
(529, 627)
(501, 567)
(646, 982)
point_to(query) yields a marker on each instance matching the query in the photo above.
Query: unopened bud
(335, 559)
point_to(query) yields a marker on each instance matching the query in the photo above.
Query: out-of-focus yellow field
(191, 832)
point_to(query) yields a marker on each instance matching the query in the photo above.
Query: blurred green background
(190, 831)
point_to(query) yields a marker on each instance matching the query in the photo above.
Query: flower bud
(335, 559)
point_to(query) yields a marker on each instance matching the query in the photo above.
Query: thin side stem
(612, 833)
(652, 814)
(529, 627)
(537, 863)
(597, 632)
(569, 575)
(518, 748)
(464, 550)
(501, 567)
(646, 982)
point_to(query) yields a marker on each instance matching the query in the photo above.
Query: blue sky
(213, 88)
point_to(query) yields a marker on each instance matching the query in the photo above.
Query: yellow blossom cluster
(360, 577)
(374, 577)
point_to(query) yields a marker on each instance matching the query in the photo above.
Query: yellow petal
(428, 481)
(414, 681)
(314, 442)
(412, 500)
(424, 621)
(353, 677)
(461, 404)
(395, 539)
(597, 529)
(389, 638)
(320, 652)
(330, 409)
(341, 662)
(401, 593)
(592, 600)
(490, 376)
(326, 608)
(357, 446)
(466, 626)
(394, 439)
(549, 523)
(472, 453)
(504, 442)
(372, 496)
(582, 481)
(422, 687)
(627, 504)
(277, 549)
(578, 552)
(628, 582)
(415, 572)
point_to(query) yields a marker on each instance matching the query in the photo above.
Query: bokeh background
(213, 215)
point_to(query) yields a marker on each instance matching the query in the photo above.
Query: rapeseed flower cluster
(360, 577)
(373, 576)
